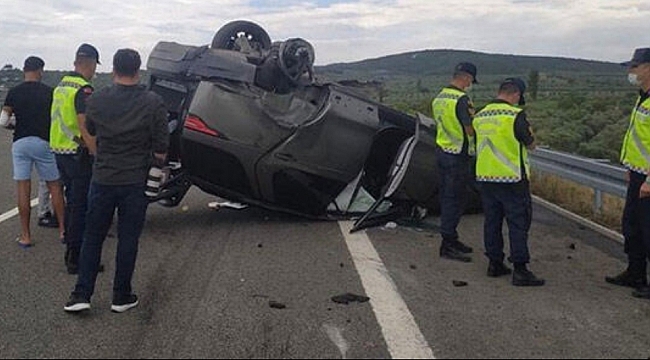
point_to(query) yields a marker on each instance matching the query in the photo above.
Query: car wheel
(296, 58)
(227, 37)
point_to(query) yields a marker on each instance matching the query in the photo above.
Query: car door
(412, 179)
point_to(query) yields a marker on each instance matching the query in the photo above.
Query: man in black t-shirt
(129, 124)
(30, 102)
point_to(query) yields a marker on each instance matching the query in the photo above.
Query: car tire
(226, 36)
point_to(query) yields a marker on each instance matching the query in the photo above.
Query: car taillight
(193, 122)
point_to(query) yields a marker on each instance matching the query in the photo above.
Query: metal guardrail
(600, 176)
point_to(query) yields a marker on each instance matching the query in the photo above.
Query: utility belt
(80, 155)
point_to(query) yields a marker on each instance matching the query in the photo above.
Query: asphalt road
(205, 279)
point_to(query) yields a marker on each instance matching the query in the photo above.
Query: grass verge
(578, 199)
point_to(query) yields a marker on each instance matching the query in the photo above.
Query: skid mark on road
(13, 212)
(402, 334)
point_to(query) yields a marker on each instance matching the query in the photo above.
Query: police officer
(452, 111)
(635, 156)
(503, 137)
(73, 146)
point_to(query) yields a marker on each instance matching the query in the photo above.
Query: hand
(644, 192)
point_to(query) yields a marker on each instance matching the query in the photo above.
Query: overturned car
(250, 123)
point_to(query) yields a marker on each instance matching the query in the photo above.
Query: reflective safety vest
(450, 134)
(635, 154)
(499, 155)
(65, 136)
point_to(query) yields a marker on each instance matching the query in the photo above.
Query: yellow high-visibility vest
(450, 135)
(635, 153)
(499, 155)
(64, 130)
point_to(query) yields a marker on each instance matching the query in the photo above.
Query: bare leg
(58, 203)
(24, 209)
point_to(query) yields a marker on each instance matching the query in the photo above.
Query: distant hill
(441, 62)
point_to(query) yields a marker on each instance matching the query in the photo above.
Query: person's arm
(80, 106)
(88, 139)
(7, 110)
(5, 116)
(465, 113)
(523, 131)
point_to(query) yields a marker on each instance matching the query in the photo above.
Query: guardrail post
(598, 201)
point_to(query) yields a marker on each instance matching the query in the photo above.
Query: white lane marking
(13, 212)
(401, 332)
(336, 335)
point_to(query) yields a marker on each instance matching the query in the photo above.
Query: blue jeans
(454, 178)
(76, 171)
(512, 202)
(636, 227)
(131, 204)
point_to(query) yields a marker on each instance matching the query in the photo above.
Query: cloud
(340, 30)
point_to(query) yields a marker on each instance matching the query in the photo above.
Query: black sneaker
(498, 268)
(626, 278)
(124, 303)
(465, 249)
(76, 304)
(48, 220)
(526, 277)
(448, 252)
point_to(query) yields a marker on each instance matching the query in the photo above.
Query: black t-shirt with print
(31, 102)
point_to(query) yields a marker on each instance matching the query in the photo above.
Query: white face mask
(633, 79)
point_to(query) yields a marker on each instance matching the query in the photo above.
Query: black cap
(88, 51)
(468, 68)
(126, 62)
(33, 63)
(520, 84)
(641, 56)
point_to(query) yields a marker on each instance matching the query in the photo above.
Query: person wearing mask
(503, 138)
(453, 111)
(130, 125)
(635, 157)
(74, 147)
(30, 103)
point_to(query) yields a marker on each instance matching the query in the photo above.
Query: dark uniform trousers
(76, 171)
(454, 177)
(636, 224)
(512, 202)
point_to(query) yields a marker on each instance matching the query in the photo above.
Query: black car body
(255, 127)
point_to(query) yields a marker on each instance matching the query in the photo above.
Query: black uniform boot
(524, 277)
(497, 268)
(642, 292)
(449, 252)
(634, 276)
(465, 249)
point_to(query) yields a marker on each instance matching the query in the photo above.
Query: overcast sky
(339, 30)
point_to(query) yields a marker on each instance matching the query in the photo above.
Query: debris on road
(459, 283)
(390, 225)
(348, 298)
(216, 205)
(276, 305)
